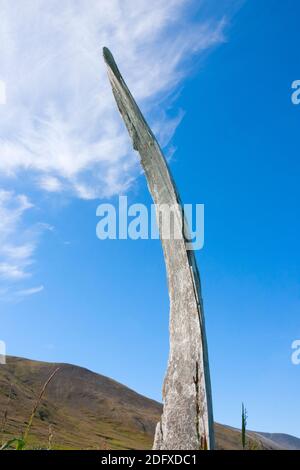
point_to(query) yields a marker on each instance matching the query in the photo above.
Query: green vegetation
(244, 425)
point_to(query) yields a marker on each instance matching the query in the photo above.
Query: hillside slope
(86, 410)
(284, 440)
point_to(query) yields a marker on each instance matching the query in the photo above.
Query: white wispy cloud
(18, 243)
(30, 291)
(60, 123)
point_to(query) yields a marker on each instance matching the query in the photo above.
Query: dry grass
(20, 442)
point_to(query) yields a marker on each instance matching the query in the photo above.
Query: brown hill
(85, 410)
(283, 440)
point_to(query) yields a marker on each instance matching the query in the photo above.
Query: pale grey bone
(187, 419)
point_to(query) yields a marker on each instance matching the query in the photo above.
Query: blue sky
(215, 83)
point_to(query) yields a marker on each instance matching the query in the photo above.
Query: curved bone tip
(106, 53)
(110, 62)
(108, 57)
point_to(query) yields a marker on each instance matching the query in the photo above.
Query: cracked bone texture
(187, 419)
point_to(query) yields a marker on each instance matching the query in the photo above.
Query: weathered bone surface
(187, 420)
